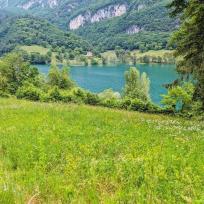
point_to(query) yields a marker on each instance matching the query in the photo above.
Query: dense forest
(29, 30)
(153, 27)
(144, 24)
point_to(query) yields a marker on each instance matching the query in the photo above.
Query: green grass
(80, 154)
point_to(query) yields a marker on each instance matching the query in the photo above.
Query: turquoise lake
(99, 78)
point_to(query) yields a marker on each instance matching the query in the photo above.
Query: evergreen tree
(189, 40)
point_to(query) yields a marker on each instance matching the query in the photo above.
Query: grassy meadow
(54, 153)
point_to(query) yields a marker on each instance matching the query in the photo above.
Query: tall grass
(52, 153)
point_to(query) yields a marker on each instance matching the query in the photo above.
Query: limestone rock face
(133, 29)
(141, 7)
(101, 14)
(40, 3)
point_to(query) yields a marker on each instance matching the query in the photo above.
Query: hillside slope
(108, 23)
(56, 153)
(28, 30)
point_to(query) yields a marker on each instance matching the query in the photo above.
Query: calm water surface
(99, 78)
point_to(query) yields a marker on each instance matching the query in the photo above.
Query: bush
(111, 103)
(54, 94)
(29, 91)
(179, 98)
(80, 94)
(153, 108)
(4, 94)
(109, 94)
(138, 105)
(125, 104)
(92, 99)
(67, 97)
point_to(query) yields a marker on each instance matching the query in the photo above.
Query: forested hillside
(130, 24)
(28, 30)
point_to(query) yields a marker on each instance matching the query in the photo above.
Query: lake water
(99, 78)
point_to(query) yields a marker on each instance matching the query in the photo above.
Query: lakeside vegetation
(52, 153)
(19, 78)
(118, 56)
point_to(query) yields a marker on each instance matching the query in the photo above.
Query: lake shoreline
(99, 78)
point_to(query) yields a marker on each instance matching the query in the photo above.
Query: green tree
(54, 75)
(120, 53)
(179, 98)
(15, 71)
(189, 40)
(60, 79)
(137, 86)
(65, 81)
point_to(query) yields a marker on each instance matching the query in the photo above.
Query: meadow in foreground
(52, 153)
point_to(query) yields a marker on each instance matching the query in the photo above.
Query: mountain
(131, 24)
(28, 30)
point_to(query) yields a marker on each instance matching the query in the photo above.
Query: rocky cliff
(42, 3)
(97, 16)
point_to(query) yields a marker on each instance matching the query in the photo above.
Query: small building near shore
(89, 54)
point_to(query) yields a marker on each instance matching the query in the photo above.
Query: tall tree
(15, 71)
(137, 86)
(189, 40)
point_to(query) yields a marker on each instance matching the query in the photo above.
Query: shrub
(138, 105)
(94, 61)
(92, 99)
(29, 91)
(153, 108)
(179, 98)
(4, 94)
(54, 94)
(111, 103)
(67, 97)
(14, 71)
(44, 97)
(3, 83)
(125, 104)
(109, 94)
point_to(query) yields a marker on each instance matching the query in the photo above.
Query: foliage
(109, 94)
(14, 71)
(189, 40)
(153, 21)
(54, 94)
(37, 58)
(179, 98)
(136, 56)
(65, 82)
(29, 91)
(59, 78)
(92, 99)
(151, 17)
(23, 31)
(137, 86)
